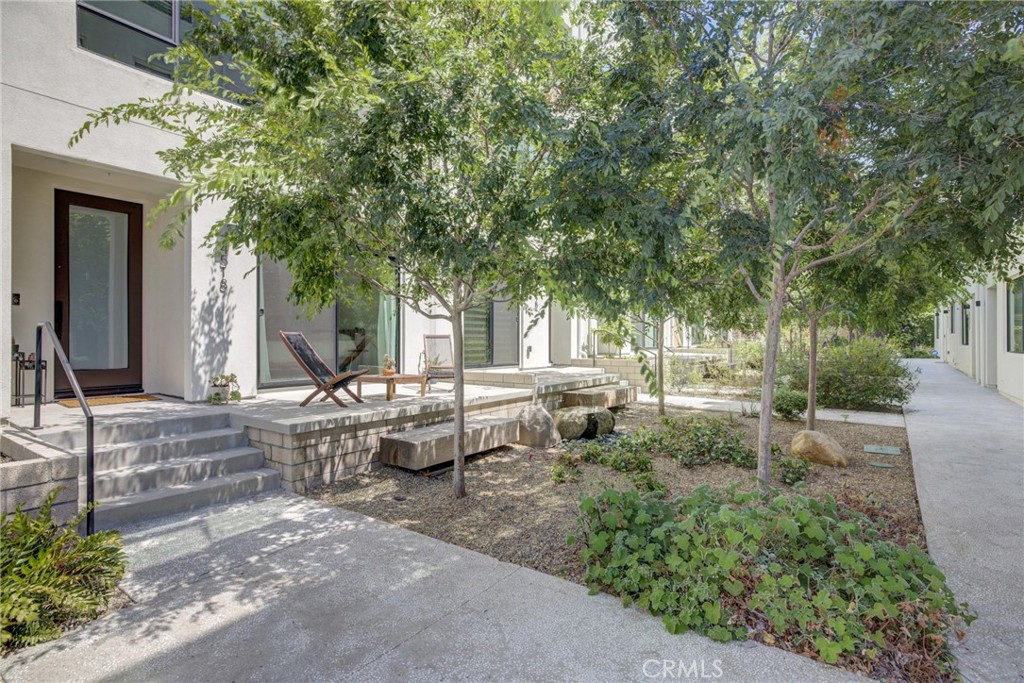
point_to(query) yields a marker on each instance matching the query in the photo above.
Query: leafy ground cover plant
(809, 576)
(790, 470)
(863, 375)
(692, 441)
(790, 404)
(51, 578)
(630, 454)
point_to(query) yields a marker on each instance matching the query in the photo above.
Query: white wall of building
(986, 357)
(49, 86)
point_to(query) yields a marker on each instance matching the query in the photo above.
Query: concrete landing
(281, 588)
(417, 449)
(607, 396)
(967, 444)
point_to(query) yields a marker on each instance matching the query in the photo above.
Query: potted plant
(389, 365)
(226, 389)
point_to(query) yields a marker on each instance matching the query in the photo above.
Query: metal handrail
(90, 522)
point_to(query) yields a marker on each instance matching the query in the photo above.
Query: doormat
(109, 400)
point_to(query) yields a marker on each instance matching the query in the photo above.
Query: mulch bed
(516, 513)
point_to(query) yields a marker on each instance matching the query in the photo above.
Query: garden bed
(516, 513)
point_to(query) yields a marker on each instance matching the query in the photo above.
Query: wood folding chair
(326, 380)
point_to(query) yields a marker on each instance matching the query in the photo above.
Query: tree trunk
(660, 366)
(812, 370)
(773, 333)
(458, 474)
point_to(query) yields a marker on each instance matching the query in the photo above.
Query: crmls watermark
(675, 669)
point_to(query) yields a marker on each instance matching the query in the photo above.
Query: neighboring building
(134, 316)
(983, 335)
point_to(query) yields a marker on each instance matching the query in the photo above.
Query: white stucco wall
(32, 272)
(49, 86)
(987, 356)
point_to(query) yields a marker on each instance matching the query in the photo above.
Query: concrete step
(122, 429)
(114, 513)
(417, 449)
(149, 451)
(138, 478)
(607, 396)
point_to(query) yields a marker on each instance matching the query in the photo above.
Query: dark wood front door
(98, 293)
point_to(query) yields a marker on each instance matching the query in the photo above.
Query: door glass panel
(98, 283)
(277, 313)
(366, 331)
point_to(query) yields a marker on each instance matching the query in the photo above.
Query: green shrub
(50, 577)
(790, 470)
(863, 375)
(693, 441)
(648, 482)
(789, 404)
(750, 354)
(814, 575)
(631, 453)
(566, 469)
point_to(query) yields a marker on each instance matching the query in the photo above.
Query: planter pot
(387, 372)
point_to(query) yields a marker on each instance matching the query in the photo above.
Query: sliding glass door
(354, 333)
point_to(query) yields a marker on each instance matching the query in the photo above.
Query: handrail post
(90, 456)
(90, 468)
(39, 377)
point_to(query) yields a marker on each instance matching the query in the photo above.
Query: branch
(857, 247)
(750, 285)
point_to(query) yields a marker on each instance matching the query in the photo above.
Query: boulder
(818, 447)
(537, 427)
(584, 422)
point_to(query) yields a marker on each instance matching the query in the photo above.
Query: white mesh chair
(438, 359)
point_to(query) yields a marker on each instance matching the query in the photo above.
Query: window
(354, 333)
(952, 318)
(937, 325)
(134, 31)
(491, 335)
(1015, 315)
(965, 323)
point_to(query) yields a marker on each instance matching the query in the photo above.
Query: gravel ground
(514, 512)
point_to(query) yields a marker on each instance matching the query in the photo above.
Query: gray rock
(537, 427)
(584, 422)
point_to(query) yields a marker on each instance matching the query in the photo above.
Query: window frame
(172, 40)
(1019, 282)
(965, 324)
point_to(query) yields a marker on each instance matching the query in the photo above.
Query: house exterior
(133, 316)
(983, 335)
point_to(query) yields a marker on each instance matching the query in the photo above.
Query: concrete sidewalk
(968, 449)
(736, 407)
(282, 588)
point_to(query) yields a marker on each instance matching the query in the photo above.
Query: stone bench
(607, 396)
(424, 447)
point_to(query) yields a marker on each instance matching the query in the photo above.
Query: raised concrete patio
(281, 588)
(968, 449)
(321, 442)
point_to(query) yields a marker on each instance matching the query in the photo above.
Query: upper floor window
(133, 31)
(1015, 315)
(965, 323)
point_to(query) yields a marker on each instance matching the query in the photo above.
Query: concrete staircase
(157, 467)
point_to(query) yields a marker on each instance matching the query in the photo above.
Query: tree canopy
(408, 144)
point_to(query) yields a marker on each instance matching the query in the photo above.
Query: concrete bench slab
(417, 449)
(607, 396)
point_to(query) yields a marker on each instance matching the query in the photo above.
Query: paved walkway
(968, 448)
(281, 588)
(737, 407)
